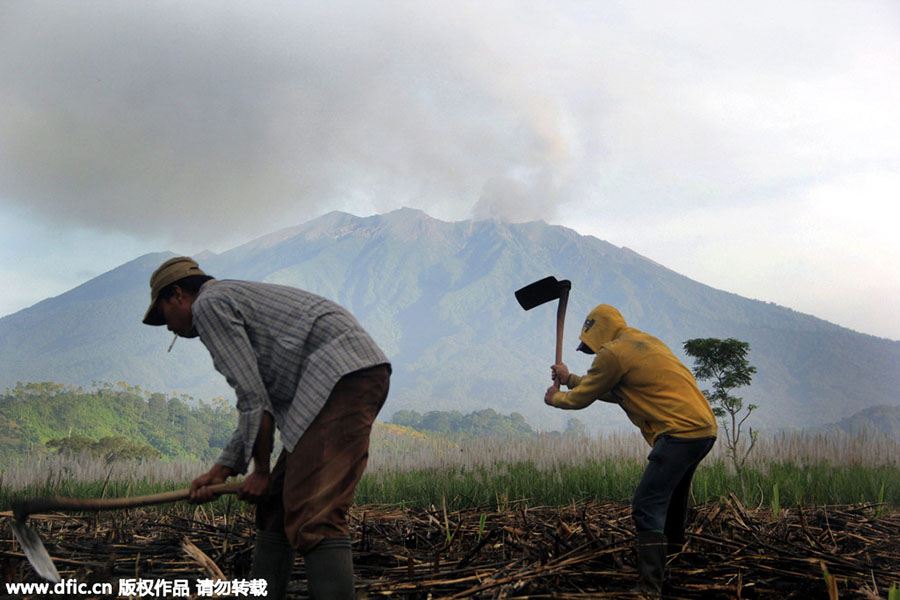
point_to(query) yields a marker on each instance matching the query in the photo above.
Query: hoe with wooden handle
(31, 542)
(546, 290)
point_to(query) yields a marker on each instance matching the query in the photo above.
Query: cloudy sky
(752, 146)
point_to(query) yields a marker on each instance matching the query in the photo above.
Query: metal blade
(539, 292)
(34, 551)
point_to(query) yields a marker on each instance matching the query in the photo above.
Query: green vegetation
(110, 449)
(803, 485)
(415, 469)
(480, 423)
(422, 469)
(116, 420)
(724, 362)
(476, 424)
(501, 483)
(614, 480)
(119, 428)
(776, 500)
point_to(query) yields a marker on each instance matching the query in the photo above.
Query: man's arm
(597, 384)
(256, 485)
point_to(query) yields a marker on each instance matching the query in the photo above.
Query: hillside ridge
(438, 297)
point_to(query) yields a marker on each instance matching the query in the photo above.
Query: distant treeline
(111, 420)
(123, 421)
(480, 423)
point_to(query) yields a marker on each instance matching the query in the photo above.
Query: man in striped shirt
(299, 363)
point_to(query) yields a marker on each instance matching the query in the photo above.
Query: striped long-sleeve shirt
(282, 350)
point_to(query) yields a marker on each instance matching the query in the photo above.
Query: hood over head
(602, 325)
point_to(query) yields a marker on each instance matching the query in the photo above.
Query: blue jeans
(661, 499)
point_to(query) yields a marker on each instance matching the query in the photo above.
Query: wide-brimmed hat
(169, 272)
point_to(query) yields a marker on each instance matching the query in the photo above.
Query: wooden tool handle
(37, 505)
(560, 321)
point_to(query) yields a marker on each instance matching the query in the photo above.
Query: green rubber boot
(329, 570)
(273, 559)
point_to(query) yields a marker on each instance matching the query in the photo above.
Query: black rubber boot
(651, 560)
(273, 559)
(329, 570)
(675, 543)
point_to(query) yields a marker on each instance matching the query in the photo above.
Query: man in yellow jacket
(659, 394)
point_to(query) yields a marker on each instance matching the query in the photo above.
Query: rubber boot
(674, 547)
(651, 559)
(329, 570)
(273, 559)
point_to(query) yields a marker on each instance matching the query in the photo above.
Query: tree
(575, 428)
(111, 448)
(114, 448)
(724, 362)
(72, 445)
(444, 422)
(408, 418)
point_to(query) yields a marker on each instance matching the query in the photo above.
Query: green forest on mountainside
(480, 423)
(127, 418)
(127, 422)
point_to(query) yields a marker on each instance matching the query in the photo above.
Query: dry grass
(406, 465)
(548, 451)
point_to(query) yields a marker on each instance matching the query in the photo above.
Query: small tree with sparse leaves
(724, 362)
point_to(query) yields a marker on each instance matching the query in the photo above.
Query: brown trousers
(311, 488)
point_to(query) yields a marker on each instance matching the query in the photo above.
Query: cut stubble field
(544, 517)
(578, 551)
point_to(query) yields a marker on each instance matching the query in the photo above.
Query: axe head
(541, 291)
(34, 550)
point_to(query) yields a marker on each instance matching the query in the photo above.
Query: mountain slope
(439, 299)
(878, 419)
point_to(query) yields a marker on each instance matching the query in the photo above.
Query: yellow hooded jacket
(638, 372)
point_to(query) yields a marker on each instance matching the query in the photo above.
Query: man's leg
(329, 569)
(273, 555)
(648, 511)
(676, 517)
(321, 475)
(668, 463)
(651, 563)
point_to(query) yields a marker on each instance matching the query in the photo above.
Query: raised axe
(31, 542)
(543, 291)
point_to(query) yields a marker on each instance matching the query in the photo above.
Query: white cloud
(829, 249)
(124, 118)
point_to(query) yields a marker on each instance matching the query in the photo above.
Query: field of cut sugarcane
(540, 517)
